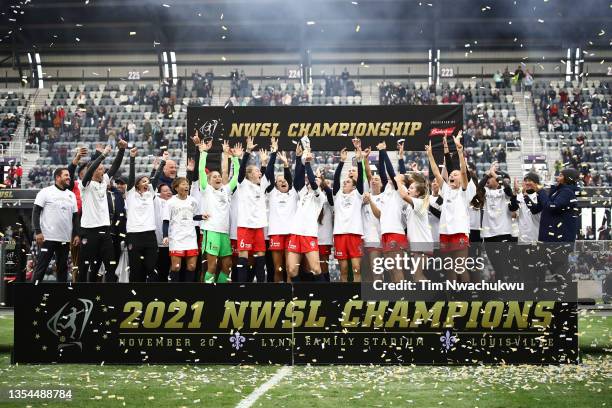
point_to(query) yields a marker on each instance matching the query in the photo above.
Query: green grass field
(588, 384)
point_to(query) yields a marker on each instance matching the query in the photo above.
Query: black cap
(571, 175)
(532, 177)
(120, 180)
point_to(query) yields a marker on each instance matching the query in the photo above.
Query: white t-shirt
(417, 222)
(434, 221)
(160, 207)
(371, 224)
(528, 223)
(391, 211)
(216, 203)
(180, 213)
(496, 219)
(94, 204)
(140, 210)
(347, 213)
(282, 209)
(305, 221)
(56, 216)
(326, 227)
(252, 204)
(454, 218)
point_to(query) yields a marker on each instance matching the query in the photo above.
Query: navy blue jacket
(559, 220)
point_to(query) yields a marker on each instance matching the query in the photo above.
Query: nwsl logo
(445, 132)
(69, 323)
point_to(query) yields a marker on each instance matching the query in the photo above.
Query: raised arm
(235, 165)
(434, 167)
(338, 172)
(118, 158)
(367, 172)
(300, 174)
(402, 190)
(462, 163)
(245, 159)
(400, 158)
(203, 148)
(309, 172)
(359, 173)
(381, 164)
(286, 169)
(132, 175)
(389, 168)
(224, 167)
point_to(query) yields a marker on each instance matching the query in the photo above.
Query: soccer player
(96, 240)
(216, 223)
(251, 217)
(348, 223)
(325, 233)
(179, 233)
(140, 226)
(499, 203)
(417, 220)
(454, 217)
(530, 199)
(304, 228)
(282, 204)
(55, 220)
(390, 211)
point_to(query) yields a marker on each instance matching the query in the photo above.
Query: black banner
(329, 128)
(280, 323)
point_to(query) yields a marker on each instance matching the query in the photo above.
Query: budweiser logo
(442, 132)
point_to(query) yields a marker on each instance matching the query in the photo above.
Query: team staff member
(162, 269)
(140, 226)
(55, 220)
(96, 240)
(215, 225)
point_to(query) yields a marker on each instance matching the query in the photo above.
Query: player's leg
(293, 264)
(191, 267)
(175, 266)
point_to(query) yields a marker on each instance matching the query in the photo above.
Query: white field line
(263, 388)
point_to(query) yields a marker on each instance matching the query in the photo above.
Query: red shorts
(347, 246)
(185, 254)
(394, 242)
(251, 239)
(301, 244)
(325, 250)
(234, 247)
(453, 242)
(278, 242)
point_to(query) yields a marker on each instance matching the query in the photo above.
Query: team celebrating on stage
(243, 223)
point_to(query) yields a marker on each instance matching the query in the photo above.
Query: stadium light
(437, 68)
(166, 69)
(577, 64)
(174, 70)
(568, 66)
(429, 68)
(36, 67)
